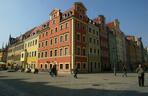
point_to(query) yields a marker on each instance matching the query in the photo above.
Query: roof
(111, 25)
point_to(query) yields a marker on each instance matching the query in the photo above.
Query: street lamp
(114, 61)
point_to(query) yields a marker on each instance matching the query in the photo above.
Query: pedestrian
(54, 70)
(140, 72)
(75, 72)
(124, 71)
(36, 71)
(51, 72)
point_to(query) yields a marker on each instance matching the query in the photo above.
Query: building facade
(104, 44)
(29, 56)
(93, 47)
(70, 40)
(15, 47)
(64, 43)
(3, 54)
(112, 45)
(134, 52)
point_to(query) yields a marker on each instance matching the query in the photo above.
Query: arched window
(45, 66)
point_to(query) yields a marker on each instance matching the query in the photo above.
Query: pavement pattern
(100, 84)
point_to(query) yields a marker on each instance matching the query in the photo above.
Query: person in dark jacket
(51, 72)
(140, 72)
(54, 70)
(124, 71)
(75, 72)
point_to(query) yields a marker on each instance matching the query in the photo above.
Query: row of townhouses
(71, 39)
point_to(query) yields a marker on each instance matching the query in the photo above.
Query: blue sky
(18, 16)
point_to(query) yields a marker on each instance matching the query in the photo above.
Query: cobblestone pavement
(101, 84)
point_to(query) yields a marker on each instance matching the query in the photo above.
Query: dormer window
(44, 25)
(70, 12)
(65, 15)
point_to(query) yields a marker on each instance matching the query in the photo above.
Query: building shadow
(19, 87)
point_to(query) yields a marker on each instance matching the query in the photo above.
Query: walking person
(140, 72)
(54, 70)
(124, 71)
(51, 72)
(75, 72)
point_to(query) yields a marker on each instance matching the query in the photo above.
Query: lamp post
(114, 61)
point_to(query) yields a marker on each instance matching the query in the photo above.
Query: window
(41, 66)
(90, 50)
(46, 43)
(94, 41)
(46, 33)
(78, 25)
(50, 53)
(90, 40)
(50, 41)
(61, 66)
(61, 38)
(83, 52)
(78, 37)
(90, 30)
(45, 66)
(97, 33)
(94, 51)
(25, 45)
(42, 44)
(43, 35)
(98, 51)
(84, 39)
(97, 41)
(81, 16)
(67, 66)
(61, 27)
(34, 53)
(51, 31)
(78, 51)
(42, 55)
(66, 25)
(39, 45)
(66, 37)
(39, 55)
(84, 65)
(78, 65)
(55, 52)
(66, 51)
(45, 54)
(95, 65)
(83, 27)
(56, 29)
(22, 55)
(35, 42)
(93, 31)
(61, 52)
(55, 40)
